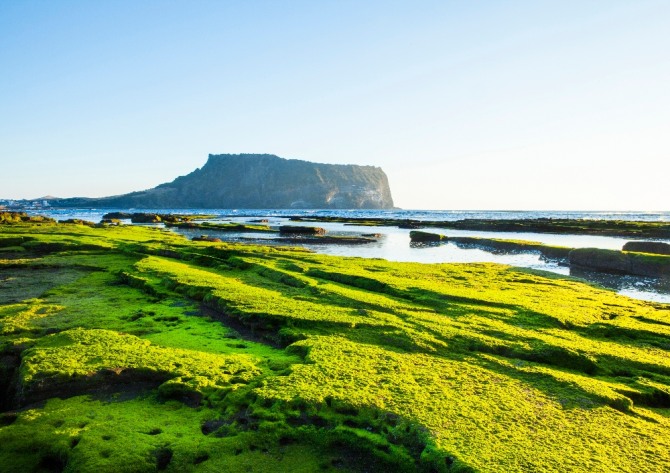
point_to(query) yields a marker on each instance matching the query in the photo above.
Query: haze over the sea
(465, 105)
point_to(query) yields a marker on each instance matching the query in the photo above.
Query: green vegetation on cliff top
(132, 349)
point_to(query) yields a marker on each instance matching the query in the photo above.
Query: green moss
(140, 435)
(182, 356)
(80, 356)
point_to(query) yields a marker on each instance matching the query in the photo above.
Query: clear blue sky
(465, 104)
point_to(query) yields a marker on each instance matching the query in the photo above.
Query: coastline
(393, 243)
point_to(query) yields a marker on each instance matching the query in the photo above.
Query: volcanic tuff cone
(260, 181)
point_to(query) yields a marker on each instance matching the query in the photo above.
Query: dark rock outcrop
(411, 224)
(653, 247)
(422, 237)
(76, 221)
(302, 230)
(145, 218)
(260, 181)
(620, 262)
(207, 238)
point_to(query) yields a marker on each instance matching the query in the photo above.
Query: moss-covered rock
(620, 262)
(302, 230)
(653, 247)
(76, 221)
(418, 236)
(18, 217)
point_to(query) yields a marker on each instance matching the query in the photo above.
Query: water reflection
(638, 287)
(426, 244)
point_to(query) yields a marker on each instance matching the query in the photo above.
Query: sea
(393, 243)
(96, 214)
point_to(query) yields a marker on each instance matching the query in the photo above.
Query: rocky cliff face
(256, 181)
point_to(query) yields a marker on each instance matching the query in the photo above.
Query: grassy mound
(133, 349)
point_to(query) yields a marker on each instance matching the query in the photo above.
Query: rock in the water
(207, 238)
(77, 221)
(145, 218)
(411, 224)
(653, 247)
(259, 181)
(620, 262)
(302, 230)
(426, 237)
(117, 216)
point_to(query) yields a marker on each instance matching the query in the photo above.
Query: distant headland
(258, 181)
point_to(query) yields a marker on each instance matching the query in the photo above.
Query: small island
(258, 181)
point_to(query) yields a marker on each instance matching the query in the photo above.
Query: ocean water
(394, 243)
(96, 214)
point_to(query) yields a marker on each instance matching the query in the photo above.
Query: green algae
(140, 434)
(183, 356)
(73, 357)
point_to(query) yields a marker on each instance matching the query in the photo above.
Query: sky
(468, 105)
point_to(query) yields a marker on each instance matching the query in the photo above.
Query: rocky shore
(616, 228)
(625, 261)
